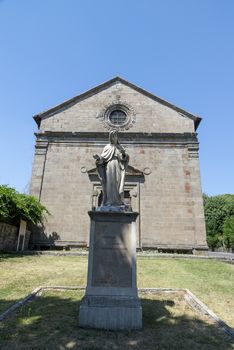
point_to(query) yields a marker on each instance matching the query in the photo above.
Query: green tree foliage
(15, 206)
(218, 209)
(228, 232)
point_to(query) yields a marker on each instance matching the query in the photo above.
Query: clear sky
(180, 50)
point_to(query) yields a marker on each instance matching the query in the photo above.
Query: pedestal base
(111, 300)
(112, 313)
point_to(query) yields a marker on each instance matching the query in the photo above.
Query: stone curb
(191, 299)
(201, 307)
(139, 255)
(34, 293)
(194, 302)
(20, 303)
(183, 256)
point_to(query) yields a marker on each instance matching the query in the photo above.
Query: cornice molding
(125, 138)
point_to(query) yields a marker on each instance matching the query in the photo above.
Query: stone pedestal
(111, 300)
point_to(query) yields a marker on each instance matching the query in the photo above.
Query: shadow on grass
(15, 255)
(51, 322)
(9, 255)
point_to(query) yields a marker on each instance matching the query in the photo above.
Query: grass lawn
(51, 322)
(211, 281)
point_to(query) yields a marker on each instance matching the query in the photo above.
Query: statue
(111, 281)
(111, 167)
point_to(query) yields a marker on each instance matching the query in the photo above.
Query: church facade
(163, 176)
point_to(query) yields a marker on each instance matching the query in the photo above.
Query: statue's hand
(96, 157)
(123, 154)
(99, 160)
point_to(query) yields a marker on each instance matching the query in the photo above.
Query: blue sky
(182, 51)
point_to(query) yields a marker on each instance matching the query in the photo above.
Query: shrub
(15, 206)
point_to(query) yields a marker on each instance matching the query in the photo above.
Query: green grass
(51, 322)
(211, 281)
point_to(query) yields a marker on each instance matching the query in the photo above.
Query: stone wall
(171, 209)
(9, 237)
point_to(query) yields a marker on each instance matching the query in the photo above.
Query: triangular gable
(104, 86)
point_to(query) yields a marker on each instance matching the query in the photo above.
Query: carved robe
(111, 168)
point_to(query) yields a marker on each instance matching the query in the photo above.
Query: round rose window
(117, 117)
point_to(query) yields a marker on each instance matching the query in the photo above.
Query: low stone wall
(9, 237)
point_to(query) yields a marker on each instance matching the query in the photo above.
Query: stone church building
(163, 176)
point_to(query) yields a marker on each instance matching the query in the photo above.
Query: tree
(15, 206)
(228, 232)
(217, 210)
